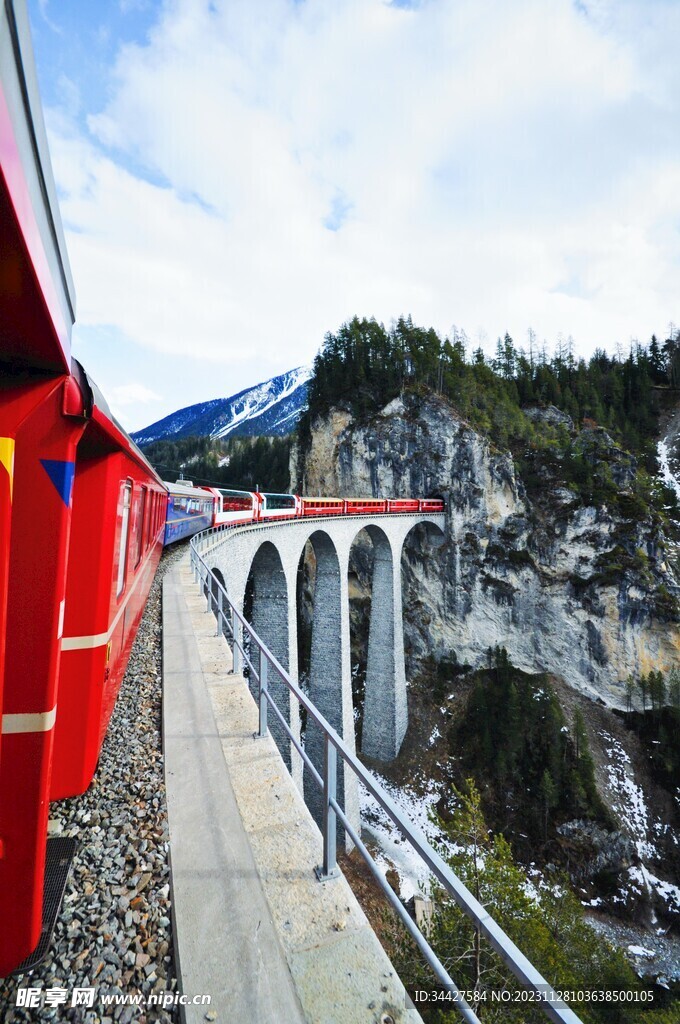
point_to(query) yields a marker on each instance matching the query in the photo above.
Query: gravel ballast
(113, 933)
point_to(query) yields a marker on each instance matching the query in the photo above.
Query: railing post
(262, 694)
(329, 868)
(219, 612)
(234, 635)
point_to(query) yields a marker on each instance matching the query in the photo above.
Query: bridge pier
(385, 708)
(271, 622)
(330, 680)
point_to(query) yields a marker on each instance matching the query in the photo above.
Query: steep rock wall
(510, 573)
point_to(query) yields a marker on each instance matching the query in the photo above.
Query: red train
(239, 507)
(81, 519)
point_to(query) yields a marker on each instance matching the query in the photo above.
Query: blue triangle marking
(61, 474)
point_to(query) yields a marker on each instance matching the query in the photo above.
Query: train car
(189, 510)
(322, 506)
(430, 505)
(396, 505)
(234, 506)
(115, 543)
(365, 506)
(81, 517)
(278, 506)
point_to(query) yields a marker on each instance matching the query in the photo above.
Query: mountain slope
(272, 407)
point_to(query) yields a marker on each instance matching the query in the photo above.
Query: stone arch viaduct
(271, 552)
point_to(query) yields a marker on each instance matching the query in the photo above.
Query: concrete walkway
(253, 927)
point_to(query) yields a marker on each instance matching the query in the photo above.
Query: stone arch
(219, 577)
(270, 613)
(425, 559)
(329, 674)
(426, 528)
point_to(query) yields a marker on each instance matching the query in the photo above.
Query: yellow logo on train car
(108, 652)
(7, 459)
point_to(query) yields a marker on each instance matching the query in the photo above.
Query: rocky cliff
(587, 593)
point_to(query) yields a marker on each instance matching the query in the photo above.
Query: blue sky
(237, 178)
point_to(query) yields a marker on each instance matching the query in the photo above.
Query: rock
(596, 850)
(602, 452)
(549, 414)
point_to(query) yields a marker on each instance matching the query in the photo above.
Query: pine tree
(674, 688)
(550, 797)
(630, 691)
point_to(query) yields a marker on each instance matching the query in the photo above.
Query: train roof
(186, 488)
(97, 411)
(36, 287)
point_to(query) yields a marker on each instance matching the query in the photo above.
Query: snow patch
(641, 951)
(627, 797)
(667, 473)
(393, 849)
(668, 892)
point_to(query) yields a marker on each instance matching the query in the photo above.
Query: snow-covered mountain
(272, 407)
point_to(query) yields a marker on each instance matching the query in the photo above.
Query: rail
(230, 622)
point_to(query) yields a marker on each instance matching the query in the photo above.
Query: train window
(136, 528)
(279, 501)
(236, 501)
(124, 515)
(145, 520)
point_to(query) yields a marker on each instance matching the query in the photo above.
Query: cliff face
(584, 593)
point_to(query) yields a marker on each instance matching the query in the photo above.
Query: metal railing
(230, 622)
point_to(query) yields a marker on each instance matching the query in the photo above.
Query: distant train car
(322, 506)
(278, 506)
(189, 510)
(234, 506)
(403, 505)
(365, 506)
(430, 505)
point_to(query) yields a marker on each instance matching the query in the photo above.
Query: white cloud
(490, 164)
(126, 394)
